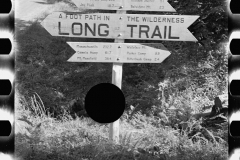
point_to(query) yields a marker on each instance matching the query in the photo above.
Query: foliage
(192, 76)
(199, 69)
(162, 94)
(47, 138)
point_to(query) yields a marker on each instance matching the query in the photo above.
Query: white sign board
(118, 52)
(117, 26)
(136, 5)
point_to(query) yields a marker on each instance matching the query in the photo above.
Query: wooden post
(117, 80)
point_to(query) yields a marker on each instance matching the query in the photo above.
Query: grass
(39, 136)
(42, 137)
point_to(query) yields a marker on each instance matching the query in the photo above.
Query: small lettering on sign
(140, 5)
(111, 52)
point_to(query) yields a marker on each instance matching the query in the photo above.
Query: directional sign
(118, 52)
(120, 26)
(137, 5)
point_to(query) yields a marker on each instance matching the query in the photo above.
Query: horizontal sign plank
(136, 5)
(117, 26)
(118, 52)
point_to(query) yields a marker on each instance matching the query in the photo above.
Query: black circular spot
(234, 46)
(6, 128)
(5, 6)
(6, 46)
(105, 103)
(5, 87)
(234, 129)
(234, 6)
(234, 87)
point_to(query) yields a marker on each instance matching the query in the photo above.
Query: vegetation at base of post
(40, 136)
(162, 95)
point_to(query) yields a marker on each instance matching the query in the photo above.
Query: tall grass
(39, 136)
(48, 138)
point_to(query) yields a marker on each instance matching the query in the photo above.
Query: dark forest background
(188, 79)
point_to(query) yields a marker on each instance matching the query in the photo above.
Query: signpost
(120, 26)
(118, 52)
(117, 26)
(136, 5)
(116, 80)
